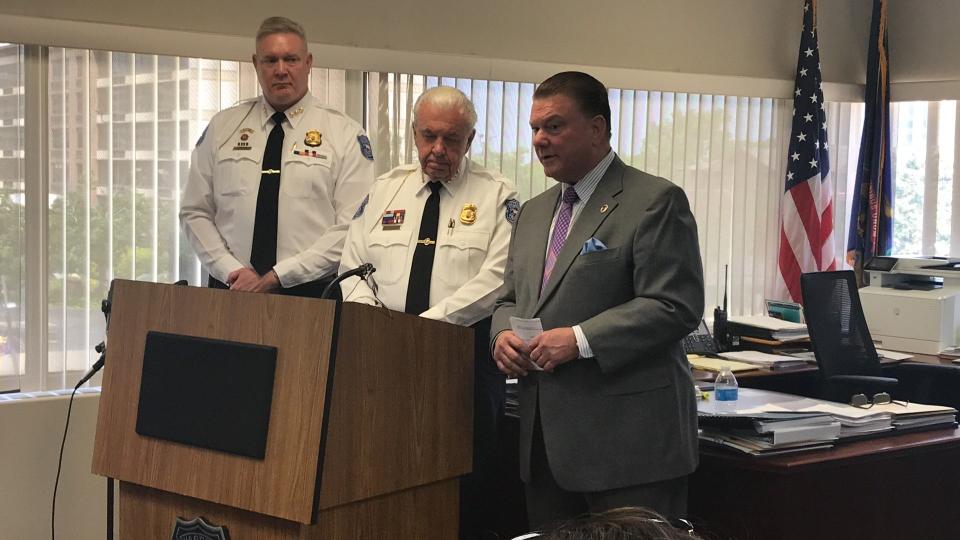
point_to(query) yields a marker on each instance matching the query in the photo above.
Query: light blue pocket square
(592, 245)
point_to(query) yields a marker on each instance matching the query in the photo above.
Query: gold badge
(468, 216)
(603, 209)
(313, 138)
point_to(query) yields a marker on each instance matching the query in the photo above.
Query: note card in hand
(592, 245)
(527, 329)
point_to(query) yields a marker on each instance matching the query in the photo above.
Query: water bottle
(725, 387)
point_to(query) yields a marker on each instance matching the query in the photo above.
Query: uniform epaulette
(398, 171)
(492, 175)
(245, 101)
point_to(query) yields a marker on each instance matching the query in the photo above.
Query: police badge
(313, 138)
(198, 529)
(468, 216)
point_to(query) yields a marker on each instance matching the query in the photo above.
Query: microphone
(363, 271)
(105, 306)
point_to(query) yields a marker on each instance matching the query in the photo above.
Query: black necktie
(263, 251)
(418, 286)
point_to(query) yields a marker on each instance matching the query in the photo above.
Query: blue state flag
(871, 212)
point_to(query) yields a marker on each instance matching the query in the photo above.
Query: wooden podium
(370, 421)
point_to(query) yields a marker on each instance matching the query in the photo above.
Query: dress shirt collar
(588, 184)
(294, 113)
(451, 185)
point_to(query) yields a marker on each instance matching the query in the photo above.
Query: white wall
(30, 434)
(749, 38)
(752, 39)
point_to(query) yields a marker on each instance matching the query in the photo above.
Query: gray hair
(447, 97)
(280, 25)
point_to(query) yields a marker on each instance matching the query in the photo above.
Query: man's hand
(511, 354)
(554, 347)
(247, 279)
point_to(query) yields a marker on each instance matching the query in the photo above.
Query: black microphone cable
(102, 349)
(105, 307)
(363, 271)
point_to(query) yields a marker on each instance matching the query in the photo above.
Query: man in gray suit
(608, 260)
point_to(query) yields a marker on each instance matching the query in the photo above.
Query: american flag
(806, 209)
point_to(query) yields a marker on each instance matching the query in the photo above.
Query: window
(727, 152)
(11, 216)
(503, 139)
(923, 136)
(120, 131)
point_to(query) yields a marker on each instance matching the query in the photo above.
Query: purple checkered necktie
(559, 233)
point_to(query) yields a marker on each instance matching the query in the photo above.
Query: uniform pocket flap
(390, 238)
(251, 154)
(466, 239)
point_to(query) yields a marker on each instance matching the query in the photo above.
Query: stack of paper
(862, 422)
(759, 326)
(908, 416)
(747, 427)
(763, 422)
(898, 415)
(757, 358)
(716, 364)
(757, 446)
(853, 421)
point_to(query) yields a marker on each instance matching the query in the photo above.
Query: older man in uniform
(274, 180)
(437, 232)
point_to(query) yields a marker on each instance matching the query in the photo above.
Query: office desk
(760, 373)
(801, 380)
(898, 487)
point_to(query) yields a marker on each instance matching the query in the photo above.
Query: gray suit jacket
(628, 415)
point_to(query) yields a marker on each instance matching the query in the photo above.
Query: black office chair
(845, 353)
(933, 384)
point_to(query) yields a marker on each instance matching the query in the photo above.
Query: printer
(911, 303)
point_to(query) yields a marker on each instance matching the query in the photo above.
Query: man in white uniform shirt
(275, 180)
(437, 233)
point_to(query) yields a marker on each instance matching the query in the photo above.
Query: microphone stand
(363, 271)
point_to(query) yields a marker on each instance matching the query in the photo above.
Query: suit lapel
(587, 223)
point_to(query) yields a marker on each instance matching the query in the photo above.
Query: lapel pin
(604, 208)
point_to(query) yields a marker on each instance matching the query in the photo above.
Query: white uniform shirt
(470, 257)
(320, 188)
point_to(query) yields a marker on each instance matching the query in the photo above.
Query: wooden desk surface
(841, 455)
(891, 488)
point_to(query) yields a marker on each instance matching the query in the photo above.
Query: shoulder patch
(362, 207)
(513, 210)
(365, 147)
(202, 135)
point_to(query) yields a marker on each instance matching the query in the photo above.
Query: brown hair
(627, 523)
(588, 93)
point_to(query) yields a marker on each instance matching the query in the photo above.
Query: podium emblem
(198, 529)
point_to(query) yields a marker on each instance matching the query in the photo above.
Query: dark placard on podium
(207, 392)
